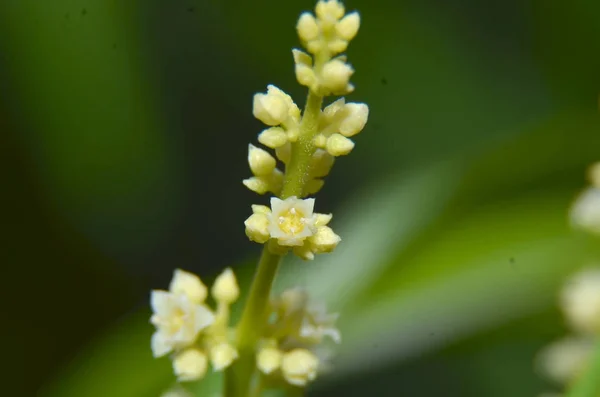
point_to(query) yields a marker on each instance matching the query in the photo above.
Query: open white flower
(178, 314)
(292, 223)
(291, 220)
(317, 324)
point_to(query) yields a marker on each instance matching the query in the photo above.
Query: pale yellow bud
(324, 240)
(336, 75)
(313, 186)
(257, 228)
(307, 27)
(358, 113)
(347, 27)
(188, 284)
(256, 184)
(273, 137)
(270, 108)
(336, 46)
(261, 209)
(338, 145)
(261, 162)
(332, 109)
(190, 364)
(268, 360)
(301, 57)
(329, 9)
(299, 367)
(225, 289)
(322, 219)
(305, 75)
(222, 355)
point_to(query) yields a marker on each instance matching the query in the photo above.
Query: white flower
(291, 220)
(317, 324)
(178, 316)
(580, 301)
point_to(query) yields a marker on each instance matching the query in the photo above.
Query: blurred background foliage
(124, 134)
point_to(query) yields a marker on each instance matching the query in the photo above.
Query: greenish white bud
(338, 145)
(358, 113)
(261, 162)
(347, 27)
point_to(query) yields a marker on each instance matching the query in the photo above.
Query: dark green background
(124, 132)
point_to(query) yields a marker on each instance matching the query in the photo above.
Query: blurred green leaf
(93, 126)
(118, 364)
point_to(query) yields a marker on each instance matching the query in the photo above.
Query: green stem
(297, 172)
(589, 383)
(238, 378)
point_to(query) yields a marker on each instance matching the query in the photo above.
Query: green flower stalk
(279, 341)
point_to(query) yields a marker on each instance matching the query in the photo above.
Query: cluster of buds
(325, 36)
(188, 329)
(565, 360)
(292, 349)
(585, 212)
(290, 223)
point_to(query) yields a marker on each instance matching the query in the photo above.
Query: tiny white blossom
(291, 220)
(178, 321)
(317, 324)
(178, 314)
